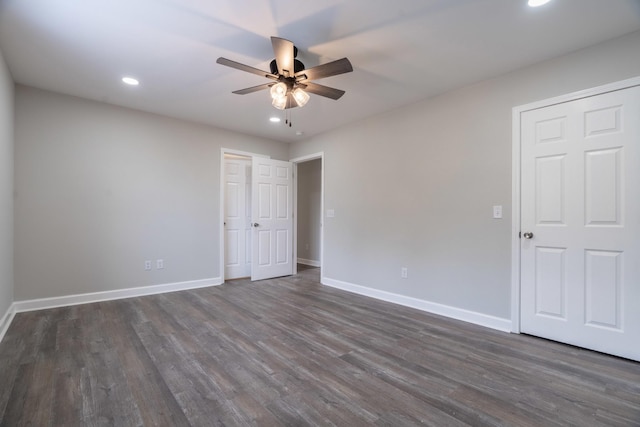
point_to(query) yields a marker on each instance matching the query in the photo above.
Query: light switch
(330, 213)
(497, 211)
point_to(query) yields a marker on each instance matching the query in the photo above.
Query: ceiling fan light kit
(281, 96)
(292, 81)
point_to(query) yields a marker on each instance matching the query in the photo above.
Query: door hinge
(519, 234)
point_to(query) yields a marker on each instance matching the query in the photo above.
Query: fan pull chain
(287, 117)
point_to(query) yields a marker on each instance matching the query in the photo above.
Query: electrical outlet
(147, 265)
(497, 212)
(160, 264)
(404, 273)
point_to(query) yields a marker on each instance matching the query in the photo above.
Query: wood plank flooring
(292, 352)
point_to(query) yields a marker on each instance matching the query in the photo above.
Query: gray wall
(101, 188)
(309, 205)
(415, 187)
(6, 187)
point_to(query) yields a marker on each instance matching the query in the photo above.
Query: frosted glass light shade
(279, 103)
(300, 96)
(279, 90)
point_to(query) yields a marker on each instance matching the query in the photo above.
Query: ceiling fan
(290, 80)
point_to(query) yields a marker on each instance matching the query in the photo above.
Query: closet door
(580, 222)
(272, 216)
(237, 219)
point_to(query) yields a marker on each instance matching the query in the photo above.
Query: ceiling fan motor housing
(297, 66)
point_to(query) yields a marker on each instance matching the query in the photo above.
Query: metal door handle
(528, 235)
(255, 224)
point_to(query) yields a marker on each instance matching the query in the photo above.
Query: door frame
(516, 178)
(221, 232)
(296, 161)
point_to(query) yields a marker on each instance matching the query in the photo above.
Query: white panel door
(580, 268)
(272, 214)
(237, 219)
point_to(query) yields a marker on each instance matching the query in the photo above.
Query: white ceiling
(402, 51)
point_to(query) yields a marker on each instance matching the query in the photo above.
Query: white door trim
(515, 179)
(302, 159)
(221, 248)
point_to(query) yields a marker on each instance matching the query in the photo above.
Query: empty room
(348, 212)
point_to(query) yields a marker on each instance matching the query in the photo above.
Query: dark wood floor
(293, 352)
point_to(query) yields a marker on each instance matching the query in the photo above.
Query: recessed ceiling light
(274, 119)
(536, 3)
(130, 81)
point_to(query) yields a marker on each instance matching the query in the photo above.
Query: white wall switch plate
(404, 273)
(160, 264)
(497, 211)
(331, 213)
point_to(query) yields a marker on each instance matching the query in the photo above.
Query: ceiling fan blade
(327, 92)
(329, 69)
(283, 51)
(253, 89)
(248, 69)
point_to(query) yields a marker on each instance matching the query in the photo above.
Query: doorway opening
(308, 205)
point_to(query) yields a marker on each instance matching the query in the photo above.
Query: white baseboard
(481, 319)
(310, 262)
(5, 321)
(63, 301)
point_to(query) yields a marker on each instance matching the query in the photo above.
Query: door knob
(255, 224)
(528, 235)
